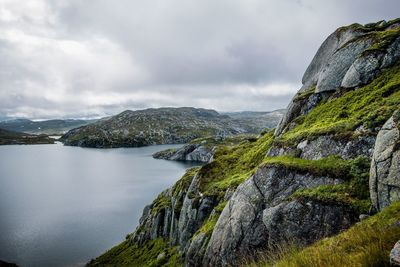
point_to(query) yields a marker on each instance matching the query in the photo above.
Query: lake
(62, 206)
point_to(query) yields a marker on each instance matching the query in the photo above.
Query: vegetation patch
(208, 226)
(333, 166)
(154, 253)
(354, 193)
(232, 165)
(164, 200)
(334, 194)
(367, 243)
(369, 106)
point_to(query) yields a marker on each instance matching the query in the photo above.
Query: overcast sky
(83, 58)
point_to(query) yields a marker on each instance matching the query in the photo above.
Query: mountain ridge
(159, 126)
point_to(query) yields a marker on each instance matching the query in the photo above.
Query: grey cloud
(73, 58)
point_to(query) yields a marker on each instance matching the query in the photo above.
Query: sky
(93, 58)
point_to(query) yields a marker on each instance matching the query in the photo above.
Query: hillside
(49, 127)
(156, 126)
(258, 121)
(333, 160)
(17, 138)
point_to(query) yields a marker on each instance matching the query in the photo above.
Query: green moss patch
(155, 253)
(232, 165)
(369, 106)
(354, 193)
(332, 166)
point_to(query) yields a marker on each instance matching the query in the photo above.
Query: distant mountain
(17, 138)
(258, 121)
(56, 127)
(157, 126)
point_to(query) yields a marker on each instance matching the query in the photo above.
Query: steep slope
(307, 181)
(55, 127)
(155, 126)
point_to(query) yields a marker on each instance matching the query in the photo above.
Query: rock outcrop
(395, 255)
(192, 152)
(258, 214)
(350, 57)
(385, 166)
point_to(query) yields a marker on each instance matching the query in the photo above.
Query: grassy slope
(367, 243)
(369, 106)
(150, 254)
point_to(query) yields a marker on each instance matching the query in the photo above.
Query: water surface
(62, 206)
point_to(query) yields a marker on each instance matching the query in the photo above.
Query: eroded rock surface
(385, 166)
(246, 222)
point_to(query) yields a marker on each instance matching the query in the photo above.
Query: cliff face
(308, 180)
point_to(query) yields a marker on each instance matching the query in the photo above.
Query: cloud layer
(72, 58)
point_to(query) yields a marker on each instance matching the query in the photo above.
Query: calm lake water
(62, 206)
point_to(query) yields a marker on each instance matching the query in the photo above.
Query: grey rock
(327, 145)
(299, 105)
(395, 255)
(332, 75)
(195, 210)
(325, 52)
(195, 252)
(161, 256)
(240, 227)
(341, 61)
(305, 221)
(385, 166)
(189, 152)
(365, 68)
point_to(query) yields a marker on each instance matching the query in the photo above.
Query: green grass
(367, 243)
(209, 224)
(369, 106)
(332, 166)
(354, 193)
(232, 165)
(339, 194)
(127, 254)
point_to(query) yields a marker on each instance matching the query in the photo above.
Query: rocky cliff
(333, 156)
(159, 126)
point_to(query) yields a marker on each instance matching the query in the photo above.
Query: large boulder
(327, 145)
(385, 166)
(242, 225)
(305, 221)
(350, 57)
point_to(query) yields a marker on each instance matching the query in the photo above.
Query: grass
(367, 243)
(330, 166)
(232, 165)
(154, 253)
(369, 106)
(208, 226)
(339, 194)
(354, 193)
